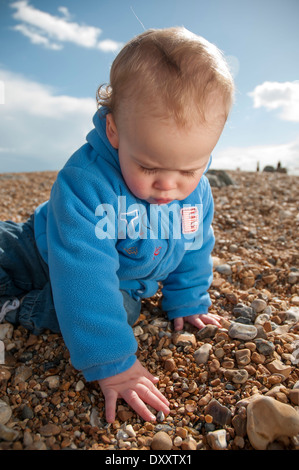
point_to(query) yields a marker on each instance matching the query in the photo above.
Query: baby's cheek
(138, 186)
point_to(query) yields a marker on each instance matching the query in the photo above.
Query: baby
(130, 208)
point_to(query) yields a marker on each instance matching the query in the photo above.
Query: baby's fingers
(110, 404)
(154, 398)
(135, 402)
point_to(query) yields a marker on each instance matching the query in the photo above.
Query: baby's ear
(111, 131)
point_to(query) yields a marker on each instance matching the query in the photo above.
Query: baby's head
(168, 100)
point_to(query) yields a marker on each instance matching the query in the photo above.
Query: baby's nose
(165, 182)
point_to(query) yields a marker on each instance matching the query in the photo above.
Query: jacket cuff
(108, 370)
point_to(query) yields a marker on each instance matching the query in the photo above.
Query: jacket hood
(97, 137)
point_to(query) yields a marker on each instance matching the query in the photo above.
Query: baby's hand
(136, 387)
(197, 320)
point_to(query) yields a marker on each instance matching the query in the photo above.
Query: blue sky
(54, 54)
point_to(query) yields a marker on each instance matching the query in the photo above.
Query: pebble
(208, 331)
(79, 386)
(201, 355)
(240, 331)
(220, 413)
(184, 339)
(161, 441)
(258, 305)
(22, 374)
(243, 357)
(8, 434)
(217, 439)
(244, 312)
(294, 396)
(238, 376)
(278, 367)
(50, 429)
(224, 269)
(269, 419)
(264, 347)
(5, 412)
(6, 331)
(52, 382)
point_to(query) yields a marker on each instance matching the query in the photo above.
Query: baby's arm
(197, 320)
(136, 387)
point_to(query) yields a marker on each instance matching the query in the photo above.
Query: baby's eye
(189, 174)
(148, 171)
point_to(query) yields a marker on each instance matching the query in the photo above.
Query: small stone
(165, 352)
(238, 376)
(121, 434)
(244, 311)
(182, 432)
(294, 396)
(79, 386)
(262, 318)
(277, 367)
(4, 374)
(293, 278)
(138, 331)
(258, 305)
(49, 429)
(268, 420)
(264, 347)
(220, 413)
(292, 315)
(239, 421)
(269, 279)
(169, 364)
(160, 416)
(214, 365)
(22, 374)
(177, 441)
(129, 430)
(241, 331)
(201, 355)
(95, 419)
(239, 442)
(189, 444)
(224, 269)
(27, 413)
(161, 441)
(8, 434)
(124, 414)
(184, 339)
(243, 357)
(6, 331)
(207, 332)
(5, 412)
(52, 381)
(217, 439)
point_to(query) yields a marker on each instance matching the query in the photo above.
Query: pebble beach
(230, 388)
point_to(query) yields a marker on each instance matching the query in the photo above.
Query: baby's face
(161, 162)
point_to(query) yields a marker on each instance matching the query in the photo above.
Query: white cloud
(36, 38)
(39, 128)
(246, 158)
(43, 28)
(276, 95)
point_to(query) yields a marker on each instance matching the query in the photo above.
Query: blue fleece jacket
(98, 238)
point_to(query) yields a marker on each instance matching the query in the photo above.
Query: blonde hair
(170, 72)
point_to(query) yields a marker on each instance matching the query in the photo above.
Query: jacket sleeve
(83, 273)
(185, 291)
